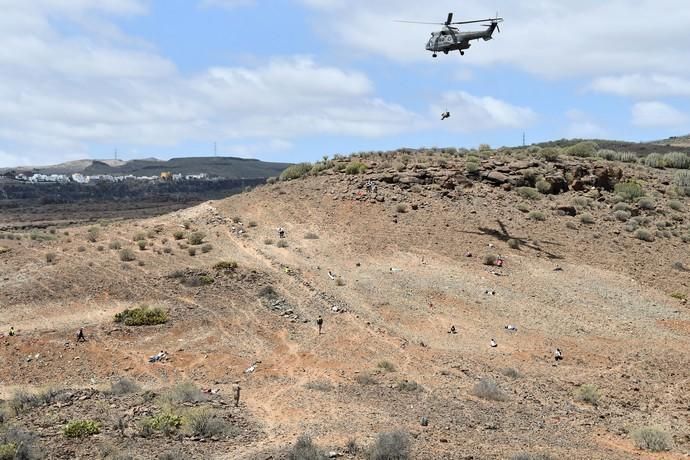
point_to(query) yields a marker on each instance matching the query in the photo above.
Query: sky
(294, 80)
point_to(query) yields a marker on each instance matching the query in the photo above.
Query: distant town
(84, 179)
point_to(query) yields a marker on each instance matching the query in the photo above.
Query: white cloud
(61, 94)
(582, 126)
(553, 39)
(643, 86)
(657, 114)
(472, 113)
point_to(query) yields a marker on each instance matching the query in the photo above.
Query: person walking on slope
(80, 335)
(319, 323)
(236, 392)
(11, 331)
(558, 356)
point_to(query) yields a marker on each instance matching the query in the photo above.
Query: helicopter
(450, 38)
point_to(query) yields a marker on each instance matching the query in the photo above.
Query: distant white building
(80, 178)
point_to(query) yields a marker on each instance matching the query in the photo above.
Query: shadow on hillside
(502, 234)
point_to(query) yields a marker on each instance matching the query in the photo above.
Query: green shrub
(167, 250)
(583, 149)
(142, 316)
(644, 235)
(82, 428)
(536, 215)
(141, 244)
(226, 266)
(206, 248)
(582, 202)
(178, 235)
(653, 439)
(390, 446)
(514, 243)
(677, 160)
(550, 153)
(355, 168)
(472, 167)
(196, 238)
(401, 208)
(529, 193)
(510, 372)
(654, 160)
(489, 390)
(295, 171)
(165, 422)
(589, 394)
(115, 245)
(268, 241)
(622, 216)
(522, 207)
(140, 236)
(629, 191)
(8, 451)
(675, 205)
(621, 207)
(607, 154)
(304, 449)
(543, 186)
(126, 255)
(586, 219)
(646, 203)
(51, 257)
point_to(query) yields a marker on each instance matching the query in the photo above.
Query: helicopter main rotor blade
(479, 20)
(419, 22)
(450, 18)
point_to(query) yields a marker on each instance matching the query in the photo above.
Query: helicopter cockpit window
(443, 32)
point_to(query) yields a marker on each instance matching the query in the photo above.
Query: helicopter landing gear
(445, 51)
(434, 55)
(462, 53)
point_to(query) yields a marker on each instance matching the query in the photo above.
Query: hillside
(227, 167)
(390, 256)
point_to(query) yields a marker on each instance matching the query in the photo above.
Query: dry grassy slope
(609, 309)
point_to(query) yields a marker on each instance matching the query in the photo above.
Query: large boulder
(558, 183)
(495, 177)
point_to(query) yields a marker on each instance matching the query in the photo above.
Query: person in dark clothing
(11, 331)
(80, 335)
(319, 322)
(558, 356)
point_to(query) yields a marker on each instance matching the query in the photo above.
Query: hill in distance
(228, 167)
(390, 250)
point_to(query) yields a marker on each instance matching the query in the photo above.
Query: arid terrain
(390, 250)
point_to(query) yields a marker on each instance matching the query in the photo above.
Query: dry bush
(319, 386)
(123, 386)
(587, 219)
(653, 439)
(311, 236)
(408, 385)
(365, 379)
(529, 193)
(386, 366)
(196, 238)
(304, 449)
(622, 216)
(510, 372)
(142, 316)
(401, 208)
(489, 259)
(191, 251)
(390, 446)
(206, 248)
(489, 390)
(51, 257)
(646, 204)
(127, 255)
(589, 394)
(206, 424)
(644, 235)
(141, 244)
(513, 243)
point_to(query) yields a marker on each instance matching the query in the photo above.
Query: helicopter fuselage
(451, 39)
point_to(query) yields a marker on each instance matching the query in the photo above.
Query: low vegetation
(123, 386)
(296, 171)
(489, 390)
(82, 428)
(127, 255)
(589, 394)
(142, 316)
(629, 191)
(529, 193)
(653, 439)
(305, 449)
(196, 238)
(390, 446)
(226, 265)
